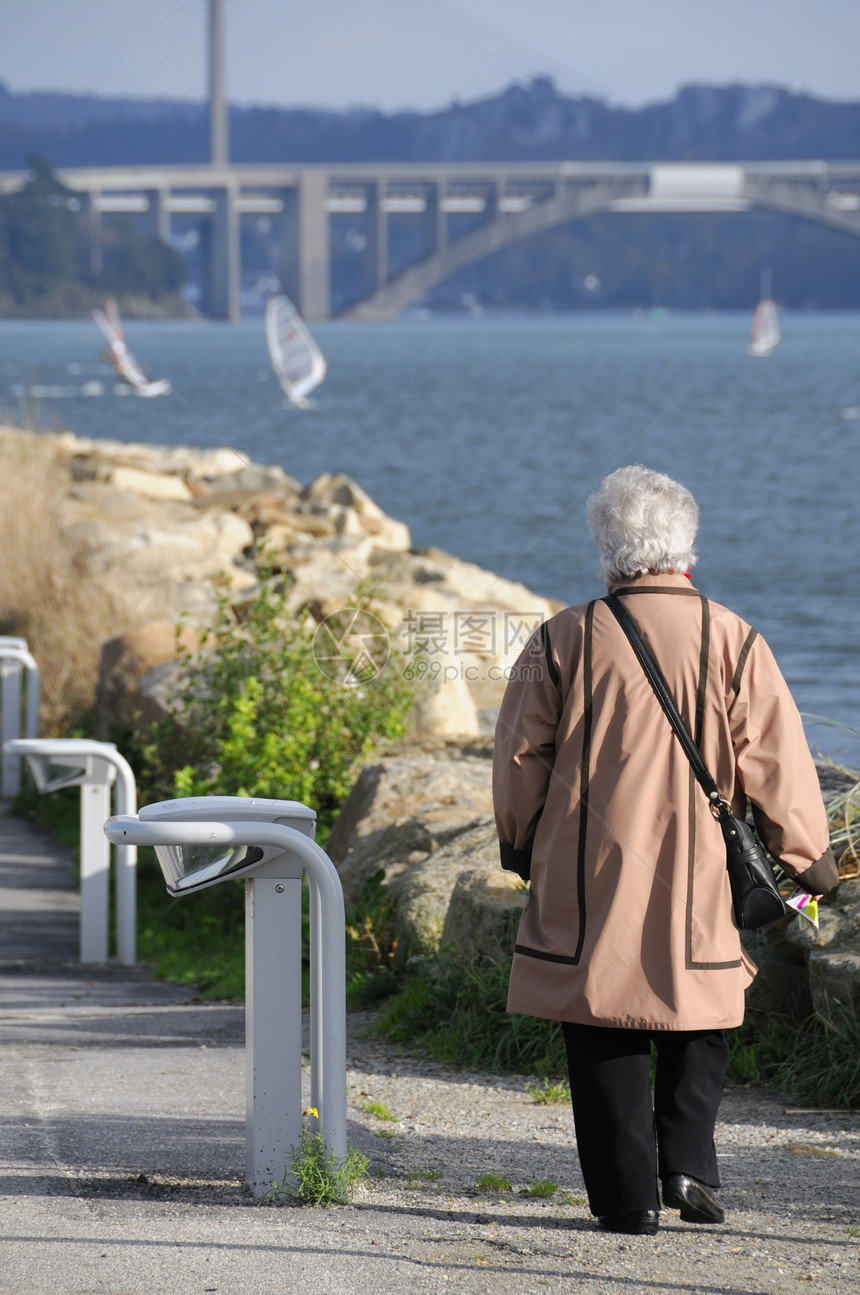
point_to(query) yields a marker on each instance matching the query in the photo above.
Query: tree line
(46, 263)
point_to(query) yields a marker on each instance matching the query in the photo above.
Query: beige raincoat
(629, 918)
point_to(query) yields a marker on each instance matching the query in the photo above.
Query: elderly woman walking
(628, 936)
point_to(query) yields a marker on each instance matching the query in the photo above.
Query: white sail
(121, 357)
(765, 334)
(297, 360)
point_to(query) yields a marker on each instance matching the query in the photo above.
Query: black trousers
(625, 1142)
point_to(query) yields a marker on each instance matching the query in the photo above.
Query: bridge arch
(516, 200)
(810, 198)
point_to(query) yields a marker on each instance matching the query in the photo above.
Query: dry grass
(48, 593)
(841, 787)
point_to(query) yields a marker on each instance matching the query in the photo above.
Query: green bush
(260, 713)
(458, 1014)
(815, 1063)
(372, 970)
(256, 714)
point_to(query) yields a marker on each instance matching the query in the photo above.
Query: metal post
(328, 1000)
(125, 802)
(273, 1028)
(16, 664)
(95, 767)
(95, 864)
(267, 1115)
(10, 724)
(273, 992)
(317, 979)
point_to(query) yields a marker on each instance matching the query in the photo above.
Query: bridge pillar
(221, 257)
(376, 234)
(158, 217)
(94, 229)
(306, 245)
(437, 220)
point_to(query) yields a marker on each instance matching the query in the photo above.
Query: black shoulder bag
(755, 897)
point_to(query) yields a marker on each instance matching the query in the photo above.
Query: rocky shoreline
(166, 527)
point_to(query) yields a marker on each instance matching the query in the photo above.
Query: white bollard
(205, 840)
(97, 768)
(16, 665)
(95, 863)
(10, 724)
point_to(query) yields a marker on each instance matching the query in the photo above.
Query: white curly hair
(642, 521)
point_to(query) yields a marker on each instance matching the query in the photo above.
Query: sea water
(486, 435)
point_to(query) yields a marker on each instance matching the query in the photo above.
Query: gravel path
(122, 1173)
(791, 1183)
(122, 1150)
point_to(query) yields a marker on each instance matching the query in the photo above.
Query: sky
(423, 54)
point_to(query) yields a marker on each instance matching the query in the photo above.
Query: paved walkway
(122, 1156)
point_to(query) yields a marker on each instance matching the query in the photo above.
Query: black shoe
(642, 1223)
(693, 1199)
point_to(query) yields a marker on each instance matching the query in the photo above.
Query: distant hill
(524, 122)
(677, 261)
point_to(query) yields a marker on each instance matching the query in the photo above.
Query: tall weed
(458, 1014)
(49, 593)
(255, 714)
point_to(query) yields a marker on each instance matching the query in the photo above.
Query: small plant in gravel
(549, 1094)
(385, 1133)
(379, 1110)
(420, 1175)
(493, 1183)
(546, 1187)
(318, 1179)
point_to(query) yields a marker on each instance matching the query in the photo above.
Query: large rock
(94, 459)
(781, 985)
(832, 953)
(458, 895)
(124, 664)
(169, 552)
(424, 818)
(405, 807)
(486, 903)
(152, 485)
(177, 525)
(469, 624)
(446, 706)
(325, 578)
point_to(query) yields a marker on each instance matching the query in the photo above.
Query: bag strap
(658, 683)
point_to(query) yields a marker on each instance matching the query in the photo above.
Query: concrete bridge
(455, 213)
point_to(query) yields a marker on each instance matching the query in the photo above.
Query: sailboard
(121, 357)
(297, 360)
(765, 333)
